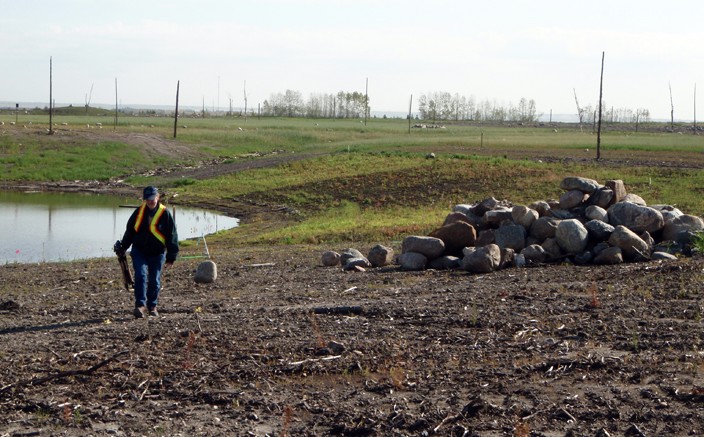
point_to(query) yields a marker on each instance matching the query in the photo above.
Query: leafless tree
(89, 97)
(580, 111)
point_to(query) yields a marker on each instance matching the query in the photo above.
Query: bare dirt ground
(279, 345)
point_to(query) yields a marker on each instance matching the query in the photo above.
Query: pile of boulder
(589, 224)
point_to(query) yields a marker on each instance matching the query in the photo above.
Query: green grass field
(368, 182)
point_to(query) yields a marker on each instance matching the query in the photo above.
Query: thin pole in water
(51, 97)
(116, 106)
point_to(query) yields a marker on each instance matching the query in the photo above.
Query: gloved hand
(118, 248)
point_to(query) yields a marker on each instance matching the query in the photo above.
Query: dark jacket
(145, 240)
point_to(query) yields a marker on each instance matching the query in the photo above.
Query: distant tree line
(445, 106)
(615, 115)
(341, 105)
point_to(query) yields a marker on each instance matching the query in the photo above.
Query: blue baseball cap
(150, 193)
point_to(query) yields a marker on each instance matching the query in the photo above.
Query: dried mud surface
(280, 345)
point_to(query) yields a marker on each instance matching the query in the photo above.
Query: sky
(499, 51)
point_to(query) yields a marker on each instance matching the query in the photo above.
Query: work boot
(139, 312)
(153, 312)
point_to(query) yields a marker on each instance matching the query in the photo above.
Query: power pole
(116, 106)
(601, 89)
(672, 110)
(695, 109)
(178, 85)
(51, 97)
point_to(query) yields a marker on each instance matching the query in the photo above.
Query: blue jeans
(147, 278)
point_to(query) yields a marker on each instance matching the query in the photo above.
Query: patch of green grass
(698, 242)
(377, 196)
(362, 181)
(38, 161)
(351, 222)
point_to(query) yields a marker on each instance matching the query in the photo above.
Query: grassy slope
(374, 181)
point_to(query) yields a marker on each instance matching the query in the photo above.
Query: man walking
(151, 231)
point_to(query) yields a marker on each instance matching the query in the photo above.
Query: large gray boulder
(206, 272)
(618, 189)
(430, 247)
(553, 251)
(510, 236)
(534, 254)
(508, 258)
(572, 236)
(524, 216)
(584, 185)
(330, 258)
(412, 261)
(668, 212)
(674, 229)
(543, 228)
(456, 236)
(495, 217)
(541, 206)
(571, 199)
(599, 230)
(632, 246)
(637, 218)
(348, 254)
(455, 217)
(380, 256)
(611, 255)
(634, 198)
(481, 259)
(445, 262)
(485, 205)
(594, 212)
(462, 208)
(602, 198)
(485, 237)
(356, 264)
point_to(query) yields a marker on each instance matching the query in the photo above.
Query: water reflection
(37, 227)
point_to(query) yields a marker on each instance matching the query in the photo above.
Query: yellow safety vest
(161, 209)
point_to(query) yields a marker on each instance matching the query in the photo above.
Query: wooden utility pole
(672, 110)
(695, 109)
(178, 85)
(51, 98)
(116, 106)
(601, 93)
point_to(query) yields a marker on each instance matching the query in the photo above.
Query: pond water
(45, 227)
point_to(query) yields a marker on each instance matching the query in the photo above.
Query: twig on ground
(42, 380)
